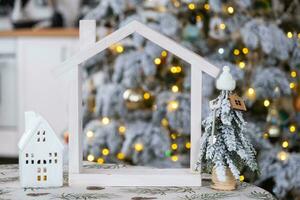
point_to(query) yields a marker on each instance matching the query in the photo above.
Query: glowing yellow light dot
(173, 105)
(236, 52)
(157, 61)
(222, 26)
(230, 10)
(298, 35)
(285, 144)
(292, 85)
(146, 95)
(292, 128)
(122, 129)
(293, 74)
(192, 6)
(175, 88)
(242, 65)
(100, 161)
(245, 50)
(138, 147)
(119, 49)
(90, 158)
(174, 158)
(289, 34)
(175, 69)
(105, 120)
(250, 94)
(266, 135)
(251, 91)
(105, 151)
(242, 178)
(90, 134)
(164, 53)
(206, 6)
(174, 146)
(173, 136)
(120, 156)
(282, 155)
(188, 145)
(178, 69)
(266, 103)
(164, 122)
(198, 18)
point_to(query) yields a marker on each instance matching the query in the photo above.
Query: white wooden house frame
(127, 176)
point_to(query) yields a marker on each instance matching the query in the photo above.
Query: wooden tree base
(227, 185)
(223, 187)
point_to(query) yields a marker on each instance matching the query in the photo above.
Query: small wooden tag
(237, 102)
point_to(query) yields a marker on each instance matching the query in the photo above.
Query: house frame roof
(148, 33)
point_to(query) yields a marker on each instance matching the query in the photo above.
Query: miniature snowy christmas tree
(225, 149)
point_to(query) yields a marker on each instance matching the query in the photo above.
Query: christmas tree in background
(137, 95)
(143, 101)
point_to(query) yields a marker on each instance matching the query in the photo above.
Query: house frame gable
(91, 49)
(127, 177)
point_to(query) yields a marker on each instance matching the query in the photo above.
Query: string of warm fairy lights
(171, 107)
(174, 105)
(283, 155)
(250, 92)
(293, 86)
(105, 151)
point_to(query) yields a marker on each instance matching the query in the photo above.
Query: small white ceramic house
(130, 176)
(40, 154)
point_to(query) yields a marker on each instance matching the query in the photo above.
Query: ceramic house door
(41, 173)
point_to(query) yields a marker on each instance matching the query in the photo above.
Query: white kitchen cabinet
(27, 82)
(8, 101)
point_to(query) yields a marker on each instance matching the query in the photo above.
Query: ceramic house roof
(148, 33)
(32, 123)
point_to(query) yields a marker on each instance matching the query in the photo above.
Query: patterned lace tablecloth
(10, 189)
